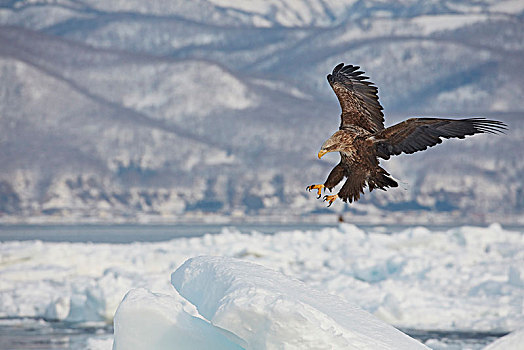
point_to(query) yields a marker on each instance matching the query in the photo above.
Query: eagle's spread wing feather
(417, 134)
(358, 98)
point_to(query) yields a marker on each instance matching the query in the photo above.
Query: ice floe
(463, 278)
(512, 341)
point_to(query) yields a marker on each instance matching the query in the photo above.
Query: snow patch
(508, 6)
(432, 24)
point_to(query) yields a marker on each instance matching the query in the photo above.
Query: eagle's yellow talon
(316, 187)
(330, 199)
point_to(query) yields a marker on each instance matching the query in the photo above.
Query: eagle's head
(334, 144)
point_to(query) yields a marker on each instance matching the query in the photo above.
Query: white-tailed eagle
(362, 139)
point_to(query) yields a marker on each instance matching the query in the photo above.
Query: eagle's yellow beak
(321, 153)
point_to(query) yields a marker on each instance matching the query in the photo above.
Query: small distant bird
(362, 138)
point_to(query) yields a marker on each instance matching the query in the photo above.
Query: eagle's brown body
(362, 138)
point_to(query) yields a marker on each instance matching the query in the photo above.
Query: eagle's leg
(335, 176)
(330, 199)
(316, 187)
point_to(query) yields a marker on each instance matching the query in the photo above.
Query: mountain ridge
(94, 127)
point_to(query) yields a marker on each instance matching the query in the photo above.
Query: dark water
(37, 334)
(41, 335)
(455, 339)
(128, 233)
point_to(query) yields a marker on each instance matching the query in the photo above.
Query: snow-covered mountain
(170, 108)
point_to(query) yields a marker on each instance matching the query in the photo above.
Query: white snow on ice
(512, 341)
(251, 306)
(147, 320)
(464, 278)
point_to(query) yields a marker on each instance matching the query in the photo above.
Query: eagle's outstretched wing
(358, 98)
(417, 134)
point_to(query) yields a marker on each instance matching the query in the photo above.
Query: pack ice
(242, 305)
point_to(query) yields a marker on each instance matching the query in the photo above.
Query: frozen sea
(450, 287)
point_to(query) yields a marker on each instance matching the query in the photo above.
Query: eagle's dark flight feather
(358, 98)
(417, 134)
